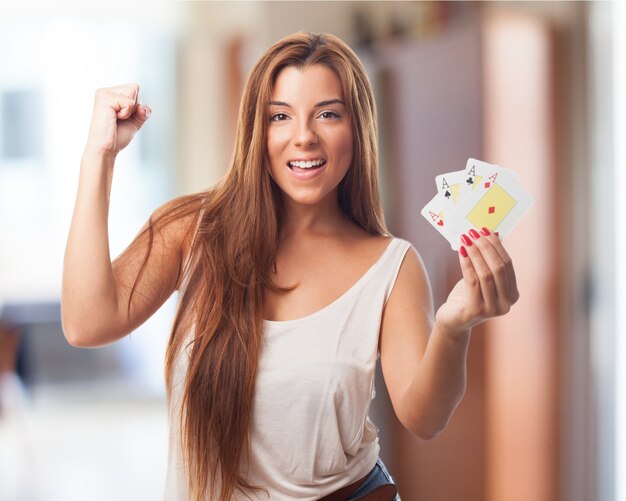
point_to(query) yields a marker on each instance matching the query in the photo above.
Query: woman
(290, 287)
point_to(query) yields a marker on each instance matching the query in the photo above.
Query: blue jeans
(377, 477)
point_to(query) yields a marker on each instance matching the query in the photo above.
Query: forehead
(311, 83)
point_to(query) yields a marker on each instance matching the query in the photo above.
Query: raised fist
(117, 116)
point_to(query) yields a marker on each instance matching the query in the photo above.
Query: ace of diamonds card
(495, 200)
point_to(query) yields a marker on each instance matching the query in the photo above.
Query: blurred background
(537, 87)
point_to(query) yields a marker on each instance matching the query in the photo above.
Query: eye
(278, 117)
(329, 114)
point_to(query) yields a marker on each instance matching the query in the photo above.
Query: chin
(310, 199)
(304, 200)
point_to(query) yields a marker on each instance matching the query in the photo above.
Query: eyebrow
(318, 105)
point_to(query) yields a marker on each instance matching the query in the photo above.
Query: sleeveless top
(310, 433)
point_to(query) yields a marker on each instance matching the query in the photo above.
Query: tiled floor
(93, 442)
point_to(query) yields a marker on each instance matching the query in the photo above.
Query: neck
(309, 220)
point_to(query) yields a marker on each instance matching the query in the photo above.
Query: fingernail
(147, 110)
(463, 251)
(475, 235)
(485, 231)
(496, 233)
(465, 239)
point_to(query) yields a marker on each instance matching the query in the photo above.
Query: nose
(305, 134)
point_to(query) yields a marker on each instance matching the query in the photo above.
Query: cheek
(276, 141)
(346, 144)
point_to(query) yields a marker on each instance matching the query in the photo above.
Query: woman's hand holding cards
(488, 287)
(488, 197)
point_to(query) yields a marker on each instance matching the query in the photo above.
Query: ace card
(495, 201)
(477, 170)
(482, 195)
(451, 185)
(436, 213)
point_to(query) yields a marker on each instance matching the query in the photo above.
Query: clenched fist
(117, 116)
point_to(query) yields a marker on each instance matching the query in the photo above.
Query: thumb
(126, 129)
(142, 113)
(137, 118)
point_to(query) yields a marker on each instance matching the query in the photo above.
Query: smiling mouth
(303, 166)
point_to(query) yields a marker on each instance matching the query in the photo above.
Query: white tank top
(310, 433)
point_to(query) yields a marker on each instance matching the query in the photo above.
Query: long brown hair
(233, 251)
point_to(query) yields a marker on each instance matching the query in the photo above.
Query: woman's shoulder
(177, 221)
(359, 235)
(180, 206)
(377, 245)
(368, 245)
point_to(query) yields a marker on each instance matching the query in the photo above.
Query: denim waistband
(377, 476)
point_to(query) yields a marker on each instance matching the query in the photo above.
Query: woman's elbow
(72, 332)
(81, 336)
(427, 427)
(75, 337)
(427, 432)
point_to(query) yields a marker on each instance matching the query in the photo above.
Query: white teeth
(307, 165)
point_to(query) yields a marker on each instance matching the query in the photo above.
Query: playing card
(481, 195)
(495, 201)
(477, 170)
(451, 185)
(436, 213)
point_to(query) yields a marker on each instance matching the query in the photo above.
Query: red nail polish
(465, 239)
(475, 235)
(463, 251)
(485, 231)
(496, 233)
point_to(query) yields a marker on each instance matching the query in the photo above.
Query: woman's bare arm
(423, 356)
(95, 291)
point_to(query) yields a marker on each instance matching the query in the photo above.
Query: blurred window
(22, 134)
(50, 68)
